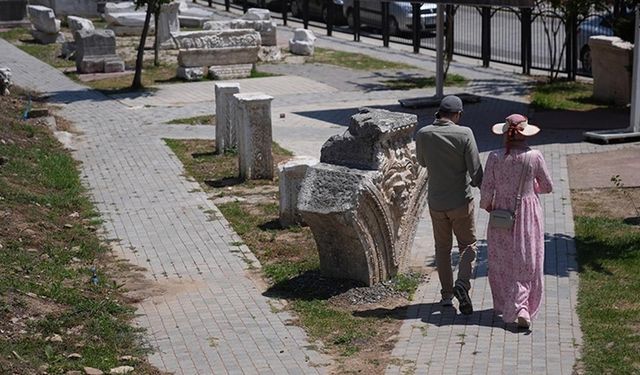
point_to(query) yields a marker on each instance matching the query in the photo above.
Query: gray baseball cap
(450, 104)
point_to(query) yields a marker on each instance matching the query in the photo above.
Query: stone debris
(74, 356)
(54, 338)
(124, 19)
(92, 371)
(5, 81)
(121, 370)
(46, 28)
(363, 200)
(96, 52)
(302, 43)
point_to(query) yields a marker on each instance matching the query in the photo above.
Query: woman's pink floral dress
(516, 255)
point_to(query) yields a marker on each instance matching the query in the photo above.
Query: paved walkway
(214, 318)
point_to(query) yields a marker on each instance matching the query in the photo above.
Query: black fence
(531, 38)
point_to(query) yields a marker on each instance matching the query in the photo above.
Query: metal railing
(526, 37)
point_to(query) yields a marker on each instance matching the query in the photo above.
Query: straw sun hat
(522, 126)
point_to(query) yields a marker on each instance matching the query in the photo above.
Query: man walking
(450, 154)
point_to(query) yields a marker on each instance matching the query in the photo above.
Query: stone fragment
(611, 59)
(364, 199)
(79, 23)
(266, 28)
(84, 8)
(131, 19)
(121, 370)
(5, 81)
(269, 54)
(302, 43)
(253, 116)
(168, 23)
(92, 371)
(217, 47)
(257, 14)
(96, 52)
(234, 71)
(74, 356)
(226, 137)
(190, 73)
(290, 176)
(43, 19)
(124, 19)
(54, 338)
(193, 16)
(122, 7)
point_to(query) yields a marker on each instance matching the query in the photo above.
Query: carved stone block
(364, 199)
(290, 176)
(226, 137)
(302, 43)
(190, 73)
(230, 71)
(217, 47)
(96, 52)
(253, 116)
(168, 22)
(611, 62)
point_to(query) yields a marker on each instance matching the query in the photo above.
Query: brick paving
(213, 318)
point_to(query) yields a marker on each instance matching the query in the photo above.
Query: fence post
(356, 20)
(210, 3)
(285, 11)
(570, 39)
(385, 23)
(227, 5)
(245, 6)
(486, 36)
(305, 13)
(449, 24)
(525, 40)
(415, 28)
(329, 20)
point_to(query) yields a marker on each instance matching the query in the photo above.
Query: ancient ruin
(124, 19)
(253, 125)
(96, 52)
(192, 16)
(226, 137)
(46, 28)
(364, 199)
(167, 23)
(302, 43)
(227, 53)
(5, 81)
(290, 177)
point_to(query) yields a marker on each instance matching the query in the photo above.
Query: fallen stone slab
(43, 19)
(79, 23)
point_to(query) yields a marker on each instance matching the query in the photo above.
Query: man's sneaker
(464, 301)
(446, 302)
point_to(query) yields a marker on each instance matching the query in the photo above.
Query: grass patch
(258, 74)
(562, 95)
(352, 60)
(48, 53)
(609, 294)
(151, 75)
(196, 120)
(421, 82)
(48, 247)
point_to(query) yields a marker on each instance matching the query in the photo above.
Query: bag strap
(525, 167)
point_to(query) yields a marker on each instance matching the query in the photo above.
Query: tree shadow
(271, 225)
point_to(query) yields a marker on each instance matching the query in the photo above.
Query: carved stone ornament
(364, 199)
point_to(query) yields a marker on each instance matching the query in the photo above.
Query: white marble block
(302, 43)
(254, 136)
(226, 137)
(168, 22)
(611, 62)
(290, 175)
(79, 23)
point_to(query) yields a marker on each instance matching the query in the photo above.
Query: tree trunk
(156, 46)
(137, 78)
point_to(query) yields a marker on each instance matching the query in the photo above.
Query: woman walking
(514, 176)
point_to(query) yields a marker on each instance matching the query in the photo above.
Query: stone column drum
(226, 137)
(363, 200)
(254, 135)
(290, 177)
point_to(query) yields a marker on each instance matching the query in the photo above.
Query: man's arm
(472, 160)
(420, 154)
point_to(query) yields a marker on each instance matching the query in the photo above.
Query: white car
(400, 15)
